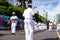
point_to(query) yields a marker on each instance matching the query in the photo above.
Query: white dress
(50, 26)
(13, 24)
(58, 26)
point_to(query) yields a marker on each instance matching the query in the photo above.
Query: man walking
(29, 23)
(50, 26)
(14, 20)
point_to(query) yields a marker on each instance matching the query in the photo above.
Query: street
(38, 35)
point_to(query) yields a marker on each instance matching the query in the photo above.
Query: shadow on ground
(1, 35)
(51, 39)
(39, 31)
(35, 32)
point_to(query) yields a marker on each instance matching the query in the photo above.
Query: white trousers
(13, 27)
(58, 27)
(29, 27)
(50, 28)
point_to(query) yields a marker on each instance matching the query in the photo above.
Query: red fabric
(21, 25)
(1, 21)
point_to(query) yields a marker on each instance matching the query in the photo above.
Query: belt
(28, 18)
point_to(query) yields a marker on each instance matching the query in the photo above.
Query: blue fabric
(6, 17)
(2, 27)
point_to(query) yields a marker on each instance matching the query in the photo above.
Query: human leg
(26, 28)
(13, 27)
(50, 28)
(31, 29)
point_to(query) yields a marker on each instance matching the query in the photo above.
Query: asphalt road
(38, 35)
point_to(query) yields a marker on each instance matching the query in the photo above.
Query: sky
(51, 6)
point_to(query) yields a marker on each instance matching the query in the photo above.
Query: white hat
(13, 13)
(51, 20)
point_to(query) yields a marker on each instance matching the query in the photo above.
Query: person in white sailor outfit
(29, 23)
(58, 26)
(50, 26)
(14, 20)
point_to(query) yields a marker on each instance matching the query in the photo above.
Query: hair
(30, 6)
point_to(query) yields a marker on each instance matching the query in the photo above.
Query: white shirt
(28, 13)
(14, 17)
(50, 24)
(58, 24)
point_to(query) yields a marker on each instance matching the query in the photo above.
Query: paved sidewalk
(41, 35)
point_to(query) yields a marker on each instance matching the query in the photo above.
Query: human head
(51, 20)
(30, 6)
(13, 13)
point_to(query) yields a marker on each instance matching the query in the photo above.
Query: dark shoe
(13, 34)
